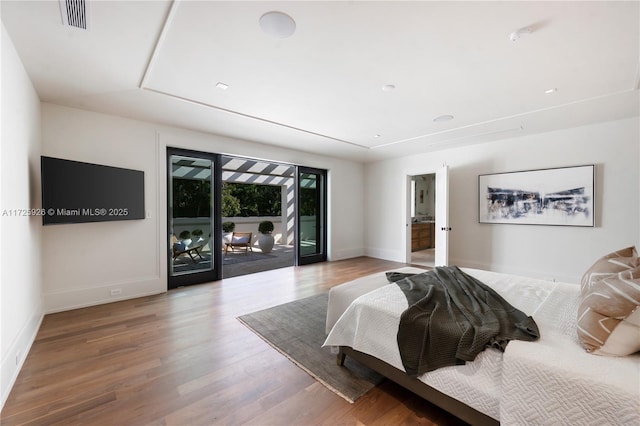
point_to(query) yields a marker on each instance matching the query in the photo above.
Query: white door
(442, 217)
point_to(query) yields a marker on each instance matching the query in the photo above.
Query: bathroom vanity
(422, 235)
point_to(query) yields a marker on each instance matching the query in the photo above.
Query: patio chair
(239, 240)
(179, 249)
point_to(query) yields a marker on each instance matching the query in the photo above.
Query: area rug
(297, 330)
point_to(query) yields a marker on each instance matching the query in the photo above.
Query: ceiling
(322, 90)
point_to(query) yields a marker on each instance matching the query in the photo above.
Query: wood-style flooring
(182, 358)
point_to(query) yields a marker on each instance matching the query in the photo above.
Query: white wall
(20, 277)
(83, 262)
(562, 253)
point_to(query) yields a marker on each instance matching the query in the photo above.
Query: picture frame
(562, 196)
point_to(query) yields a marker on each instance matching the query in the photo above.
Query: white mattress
(370, 325)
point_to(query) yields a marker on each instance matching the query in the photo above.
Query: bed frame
(447, 403)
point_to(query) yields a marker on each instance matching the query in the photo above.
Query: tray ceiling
(358, 80)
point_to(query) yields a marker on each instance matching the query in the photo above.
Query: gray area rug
(296, 330)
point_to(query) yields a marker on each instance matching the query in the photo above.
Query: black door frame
(321, 224)
(215, 241)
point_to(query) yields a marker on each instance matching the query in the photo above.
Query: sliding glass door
(194, 212)
(312, 213)
(193, 217)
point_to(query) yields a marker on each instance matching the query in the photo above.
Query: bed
(550, 381)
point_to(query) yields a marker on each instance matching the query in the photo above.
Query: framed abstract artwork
(559, 196)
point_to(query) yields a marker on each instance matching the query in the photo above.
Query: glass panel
(190, 206)
(309, 215)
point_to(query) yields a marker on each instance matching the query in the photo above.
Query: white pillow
(624, 339)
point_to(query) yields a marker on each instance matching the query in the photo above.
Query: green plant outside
(265, 227)
(251, 200)
(230, 204)
(192, 198)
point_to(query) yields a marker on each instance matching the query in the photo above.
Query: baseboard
(17, 353)
(384, 254)
(346, 253)
(82, 297)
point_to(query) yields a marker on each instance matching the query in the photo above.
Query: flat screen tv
(76, 192)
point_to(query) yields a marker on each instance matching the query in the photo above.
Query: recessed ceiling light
(277, 24)
(552, 90)
(388, 87)
(443, 118)
(222, 86)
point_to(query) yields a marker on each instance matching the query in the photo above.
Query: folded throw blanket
(452, 317)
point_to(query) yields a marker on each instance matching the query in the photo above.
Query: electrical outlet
(116, 292)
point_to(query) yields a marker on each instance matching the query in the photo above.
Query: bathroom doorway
(423, 218)
(428, 218)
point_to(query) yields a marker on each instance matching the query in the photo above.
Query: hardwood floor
(182, 358)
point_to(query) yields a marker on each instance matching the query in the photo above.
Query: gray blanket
(452, 317)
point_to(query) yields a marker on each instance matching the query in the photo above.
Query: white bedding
(340, 297)
(560, 383)
(370, 325)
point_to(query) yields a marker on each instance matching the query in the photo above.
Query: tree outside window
(192, 198)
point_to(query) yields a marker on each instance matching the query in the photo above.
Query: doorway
(256, 191)
(427, 218)
(423, 215)
(214, 200)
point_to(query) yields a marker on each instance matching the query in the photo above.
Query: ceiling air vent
(74, 13)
